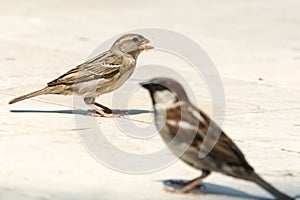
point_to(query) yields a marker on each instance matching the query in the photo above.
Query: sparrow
(102, 74)
(182, 125)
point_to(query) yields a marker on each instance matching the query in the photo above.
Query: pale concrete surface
(41, 154)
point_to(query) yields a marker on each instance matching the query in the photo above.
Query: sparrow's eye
(135, 39)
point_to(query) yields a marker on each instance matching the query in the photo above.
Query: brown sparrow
(102, 74)
(182, 125)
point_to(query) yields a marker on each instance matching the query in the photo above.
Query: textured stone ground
(255, 46)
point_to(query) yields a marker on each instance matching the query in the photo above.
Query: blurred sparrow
(184, 127)
(102, 74)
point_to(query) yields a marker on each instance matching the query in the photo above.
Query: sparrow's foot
(179, 186)
(105, 109)
(101, 113)
(94, 113)
(183, 191)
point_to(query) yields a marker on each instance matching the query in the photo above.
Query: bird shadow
(84, 112)
(209, 188)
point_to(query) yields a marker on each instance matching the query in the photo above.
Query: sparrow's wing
(103, 66)
(224, 150)
(195, 125)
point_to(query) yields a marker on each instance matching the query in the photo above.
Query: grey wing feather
(225, 150)
(106, 64)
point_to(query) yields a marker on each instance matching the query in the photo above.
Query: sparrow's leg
(189, 186)
(102, 111)
(105, 109)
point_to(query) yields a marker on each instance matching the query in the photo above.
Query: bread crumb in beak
(145, 47)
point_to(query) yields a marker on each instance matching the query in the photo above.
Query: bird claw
(100, 111)
(103, 114)
(181, 187)
(182, 191)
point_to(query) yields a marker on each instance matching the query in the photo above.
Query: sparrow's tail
(279, 195)
(45, 90)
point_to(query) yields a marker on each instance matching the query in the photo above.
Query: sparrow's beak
(145, 45)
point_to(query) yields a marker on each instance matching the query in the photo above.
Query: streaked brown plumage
(184, 127)
(102, 74)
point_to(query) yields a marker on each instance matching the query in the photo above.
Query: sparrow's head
(132, 44)
(165, 91)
